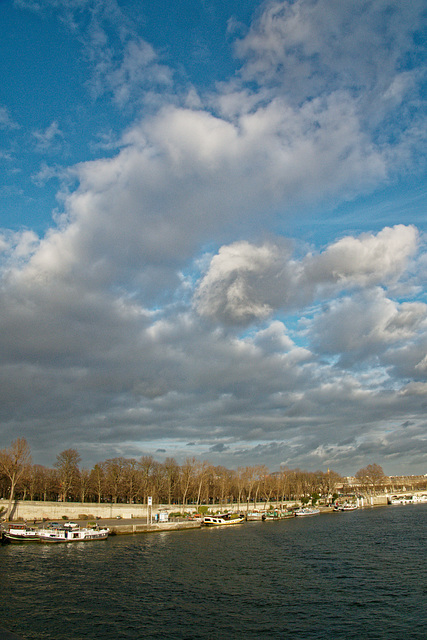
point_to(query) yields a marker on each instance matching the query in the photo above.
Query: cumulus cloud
(85, 359)
(239, 284)
(366, 260)
(149, 207)
(111, 331)
(366, 324)
(245, 283)
(351, 61)
(311, 46)
(17, 248)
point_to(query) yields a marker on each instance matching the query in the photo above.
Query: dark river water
(338, 576)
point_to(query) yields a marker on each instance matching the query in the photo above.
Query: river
(338, 576)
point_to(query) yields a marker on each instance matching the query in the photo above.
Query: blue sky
(212, 231)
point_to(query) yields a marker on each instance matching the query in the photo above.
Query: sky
(213, 231)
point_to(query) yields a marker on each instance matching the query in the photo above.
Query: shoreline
(131, 526)
(40, 510)
(134, 525)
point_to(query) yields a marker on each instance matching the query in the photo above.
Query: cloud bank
(164, 307)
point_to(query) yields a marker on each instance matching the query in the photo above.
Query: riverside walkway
(140, 525)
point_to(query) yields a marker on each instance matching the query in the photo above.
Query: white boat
(224, 519)
(277, 514)
(401, 500)
(347, 506)
(307, 511)
(21, 533)
(73, 534)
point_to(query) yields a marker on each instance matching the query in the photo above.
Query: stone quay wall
(29, 510)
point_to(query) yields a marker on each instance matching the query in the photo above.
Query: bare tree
(97, 477)
(254, 477)
(114, 477)
(265, 483)
(13, 463)
(146, 466)
(84, 480)
(222, 481)
(67, 463)
(30, 482)
(251, 476)
(130, 473)
(171, 478)
(240, 484)
(371, 477)
(332, 479)
(281, 485)
(47, 482)
(201, 472)
(158, 482)
(187, 478)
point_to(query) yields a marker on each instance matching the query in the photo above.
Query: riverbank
(127, 527)
(35, 510)
(130, 526)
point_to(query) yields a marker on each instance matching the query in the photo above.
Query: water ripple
(341, 576)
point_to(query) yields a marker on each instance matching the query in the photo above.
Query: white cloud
(138, 67)
(183, 177)
(49, 139)
(6, 122)
(365, 325)
(422, 365)
(245, 283)
(237, 286)
(274, 338)
(350, 53)
(368, 259)
(46, 173)
(108, 331)
(310, 46)
(17, 248)
(123, 64)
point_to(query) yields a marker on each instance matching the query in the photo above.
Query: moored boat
(307, 511)
(347, 506)
(73, 534)
(408, 499)
(400, 500)
(255, 515)
(277, 514)
(20, 533)
(224, 519)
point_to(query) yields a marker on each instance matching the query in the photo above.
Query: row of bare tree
(132, 481)
(129, 480)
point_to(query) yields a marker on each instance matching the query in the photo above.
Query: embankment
(33, 510)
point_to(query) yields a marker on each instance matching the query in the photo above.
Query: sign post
(150, 509)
